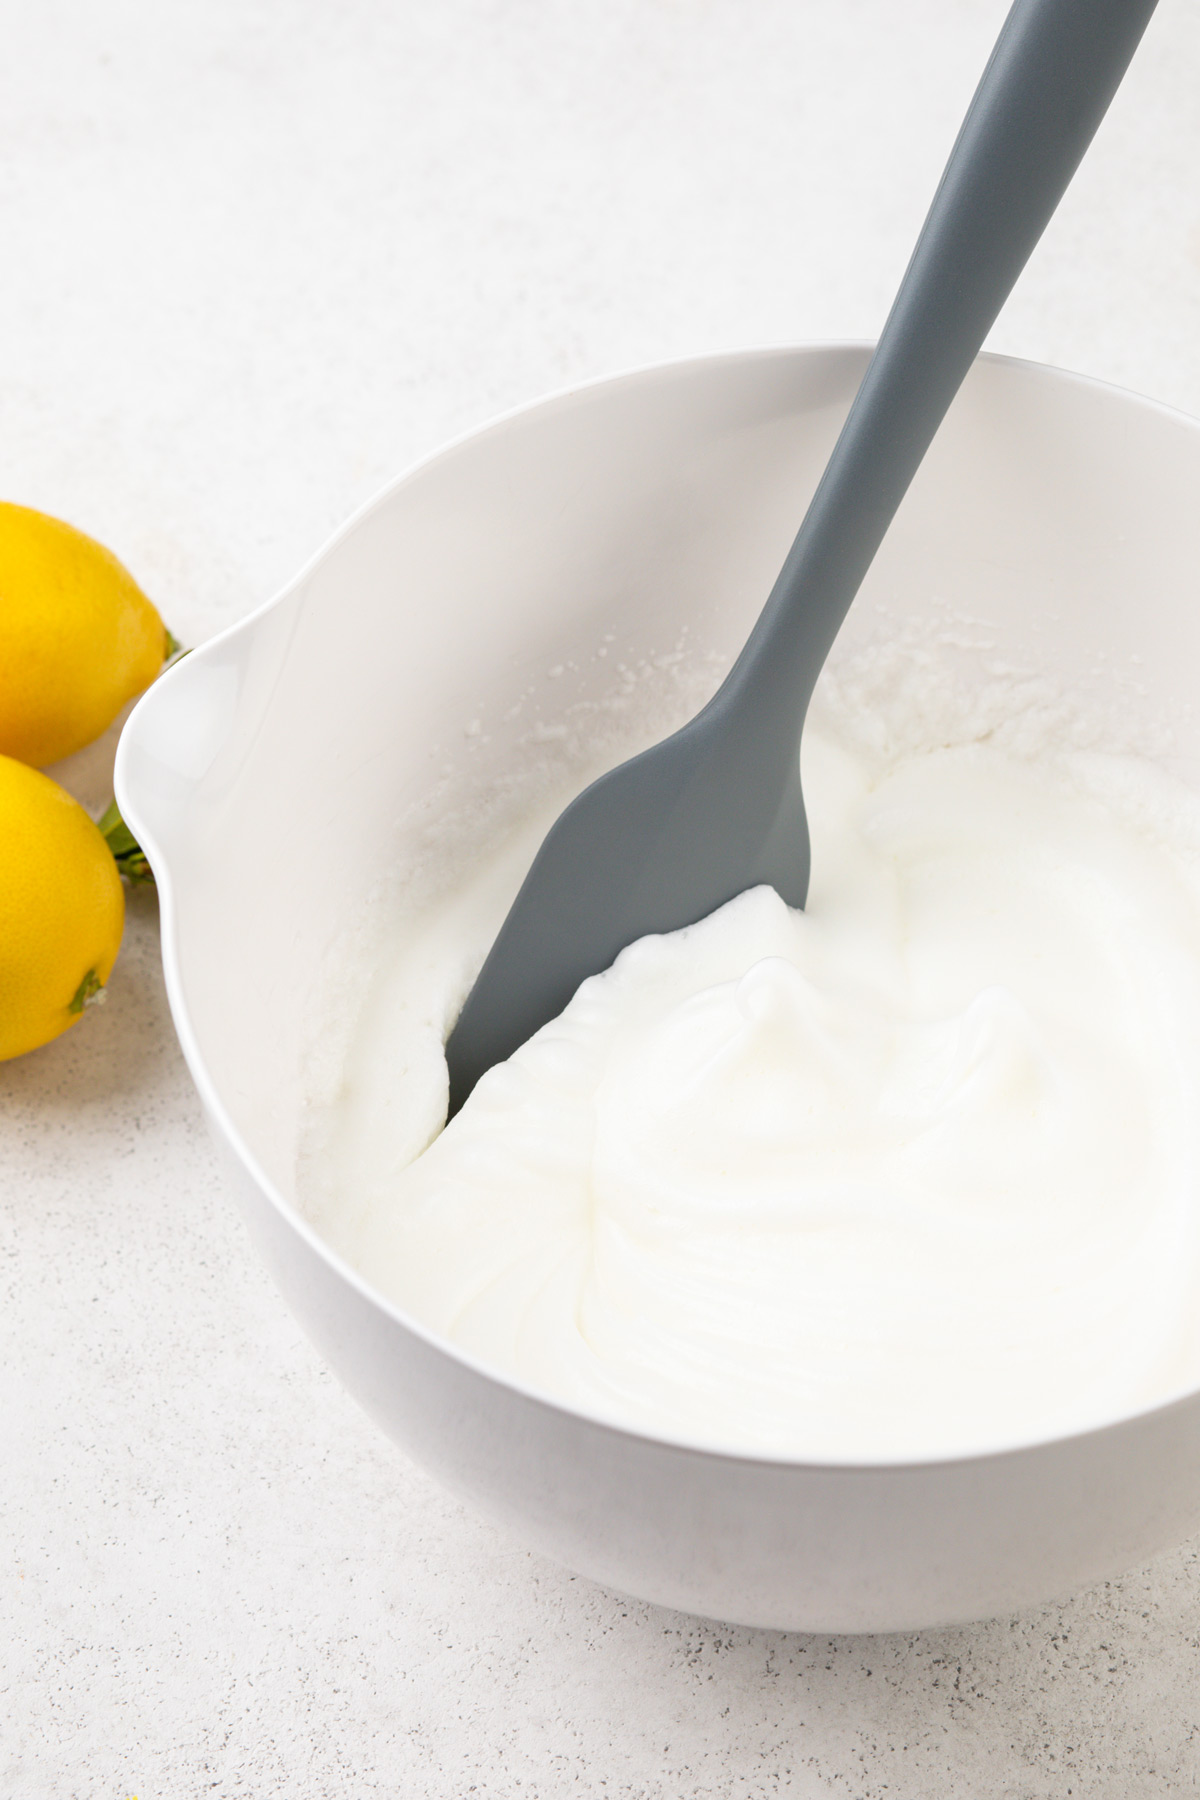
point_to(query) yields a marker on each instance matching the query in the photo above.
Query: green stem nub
(128, 854)
(88, 993)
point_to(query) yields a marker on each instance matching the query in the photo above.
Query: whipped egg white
(915, 1171)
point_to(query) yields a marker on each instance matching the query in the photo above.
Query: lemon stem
(89, 992)
(128, 854)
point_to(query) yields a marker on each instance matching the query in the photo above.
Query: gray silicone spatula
(669, 836)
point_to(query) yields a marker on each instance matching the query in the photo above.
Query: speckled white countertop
(256, 258)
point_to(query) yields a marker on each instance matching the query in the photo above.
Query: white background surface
(255, 259)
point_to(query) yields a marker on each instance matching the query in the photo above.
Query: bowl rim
(125, 788)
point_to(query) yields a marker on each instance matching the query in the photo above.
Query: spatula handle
(1053, 72)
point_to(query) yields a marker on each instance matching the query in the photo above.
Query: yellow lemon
(78, 638)
(62, 909)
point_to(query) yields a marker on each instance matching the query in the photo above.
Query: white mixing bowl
(275, 775)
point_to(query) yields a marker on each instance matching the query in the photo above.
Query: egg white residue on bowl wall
(913, 1172)
(412, 944)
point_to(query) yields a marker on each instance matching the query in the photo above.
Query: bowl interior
(561, 584)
